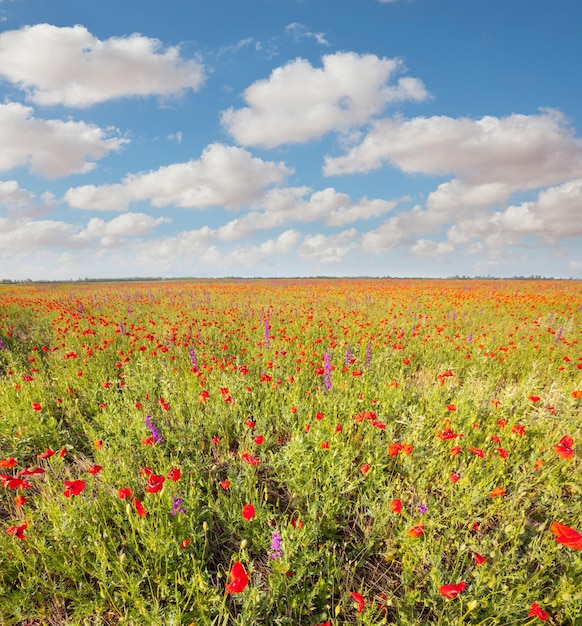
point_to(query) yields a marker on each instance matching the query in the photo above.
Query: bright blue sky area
(290, 138)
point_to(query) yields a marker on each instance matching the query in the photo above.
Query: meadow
(291, 452)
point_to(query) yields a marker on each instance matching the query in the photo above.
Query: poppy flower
(498, 491)
(451, 407)
(248, 512)
(394, 449)
(479, 558)
(73, 487)
(36, 406)
(239, 579)
(396, 506)
(567, 536)
(6, 463)
(477, 451)
(46, 454)
(454, 477)
(225, 484)
(174, 474)
(359, 600)
(184, 544)
(155, 483)
(248, 458)
(17, 531)
(94, 469)
(534, 398)
(455, 450)
(259, 439)
(365, 468)
(452, 591)
(19, 501)
(416, 531)
(139, 507)
(564, 448)
(537, 611)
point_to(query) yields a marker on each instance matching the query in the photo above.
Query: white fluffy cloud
(299, 102)
(290, 204)
(70, 66)
(50, 148)
(328, 249)
(491, 155)
(223, 176)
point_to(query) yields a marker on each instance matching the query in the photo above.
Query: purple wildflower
(348, 355)
(369, 353)
(276, 552)
(327, 371)
(149, 422)
(177, 505)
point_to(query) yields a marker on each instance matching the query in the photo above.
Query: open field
(291, 452)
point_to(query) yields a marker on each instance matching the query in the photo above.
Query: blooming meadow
(291, 452)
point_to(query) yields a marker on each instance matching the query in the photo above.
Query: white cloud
(431, 249)
(498, 154)
(298, 102)
(119, 228)
(23, 234)
(301, 32)
(51, 148)
(70, 66)
(11, 194)
(289, 204)
(328, 248)
(554, 216)
(223, 176)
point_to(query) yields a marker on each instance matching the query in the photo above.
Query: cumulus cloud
(70, 66)
(51, 148)
(497, 154)
(328, 249)
(112, 233)
(299, 102)
(11, 194)
(281, 206)
(552, 217)
(223, 176)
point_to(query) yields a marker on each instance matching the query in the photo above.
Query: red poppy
(36, 406)
(46, 454)
(358, 598)
(11, 462)
(477, 451)
(365, 468)
(17, 531)
(73, 487)
(452, 591)
(155, 483)
(454, 477)
(498, 491)
(518, 429)
(19, 501)
(31, 471)
(248, 458)
(502, 452)
(455, 450)
(248, 512)
(564, 448)
(567, 536)
(537, 611)
(416, 531)
(123, 493)
(394, 449)
(479, 558)
(139, 507)
(451, 407)
(324, 445)
(239, 579)
(184, 544)
(396, 506)
(534, 398)
(94, 469)
(174, 474)
(259, 439)
(225, 484)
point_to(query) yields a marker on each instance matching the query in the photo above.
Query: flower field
(291, 452)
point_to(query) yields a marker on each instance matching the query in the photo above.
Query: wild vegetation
(291, 452)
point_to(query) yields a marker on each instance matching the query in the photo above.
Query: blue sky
(290, 138)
